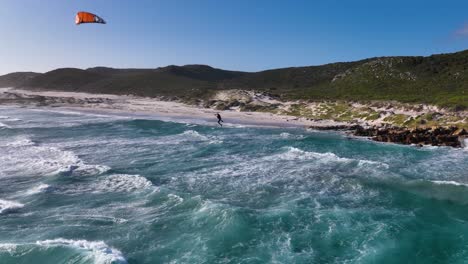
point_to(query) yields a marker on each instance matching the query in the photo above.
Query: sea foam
(9, 206)
(2, 125)
(38, 189)
(453, 183)
(293, 153)
(23, 156)
(194, 135)
(121, 183)
(100, 251)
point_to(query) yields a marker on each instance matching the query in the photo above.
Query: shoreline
(175, 111)
(153, 107)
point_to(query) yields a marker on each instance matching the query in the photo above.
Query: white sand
(175, 110)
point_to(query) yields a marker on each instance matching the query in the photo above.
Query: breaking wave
(23, 156)
(287, 135)
(90, 251)
(434, 189)
(100, 251)
(293, 153)
(7, 118)
(121, 183)
(194, 135)
(453, 183)
(9, 206)
(263, 196)
(8, 247)
(2, 125)
(38, 189)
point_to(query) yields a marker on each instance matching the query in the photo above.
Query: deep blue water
(92, 188)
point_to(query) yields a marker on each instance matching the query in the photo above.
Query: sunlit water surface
(94, 188)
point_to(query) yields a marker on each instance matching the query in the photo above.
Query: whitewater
(82, 187)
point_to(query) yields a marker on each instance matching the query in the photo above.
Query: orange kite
(85, 17)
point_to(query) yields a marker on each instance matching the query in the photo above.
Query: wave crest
(452, 183)
(116, 183)
(122, 183)
(194, 135)
(293, 153)
(9, 206)
(38, 189)
(23, 156)
(100, 251)
(3, 125)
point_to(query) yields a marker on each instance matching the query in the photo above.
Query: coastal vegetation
(408, 100)
(440, 80)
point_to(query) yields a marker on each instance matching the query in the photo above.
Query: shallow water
(93, 188)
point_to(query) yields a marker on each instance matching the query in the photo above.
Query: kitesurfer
(219, 119)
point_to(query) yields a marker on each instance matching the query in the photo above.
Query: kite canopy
(85, 17)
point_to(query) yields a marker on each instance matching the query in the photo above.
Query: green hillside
(16, 78)
(437, 79)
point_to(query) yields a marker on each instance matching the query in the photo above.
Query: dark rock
(221, 106)
(435, 136)
(338, 127)
(234, 103)
(460, 132)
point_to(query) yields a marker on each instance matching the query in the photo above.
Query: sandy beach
(160, 109)
(176, 111)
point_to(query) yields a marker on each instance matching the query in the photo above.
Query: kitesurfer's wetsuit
(219, 119)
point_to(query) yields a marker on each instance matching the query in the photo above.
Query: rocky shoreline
(434, 136)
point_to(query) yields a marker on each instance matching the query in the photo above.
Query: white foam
(297, 154)
(38, 189)
(2, 125)
(9, 206)
(453, 183)
(25, 158)
(100, 251)
(175, 197)
(121, 183)
(293, 153)
(363, 163)
(17, 141)
(9, 118)
(286, 135)
(194, 135)
(8, 247)
(80, 168)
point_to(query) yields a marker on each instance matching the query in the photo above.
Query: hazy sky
(251, 35)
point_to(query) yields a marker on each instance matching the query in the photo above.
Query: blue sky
(248, 35)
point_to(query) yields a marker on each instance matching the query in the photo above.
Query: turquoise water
(92, 188)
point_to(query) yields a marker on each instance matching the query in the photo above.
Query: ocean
(81, 187)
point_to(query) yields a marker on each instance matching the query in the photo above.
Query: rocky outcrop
(435, 136)
(335, 127)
